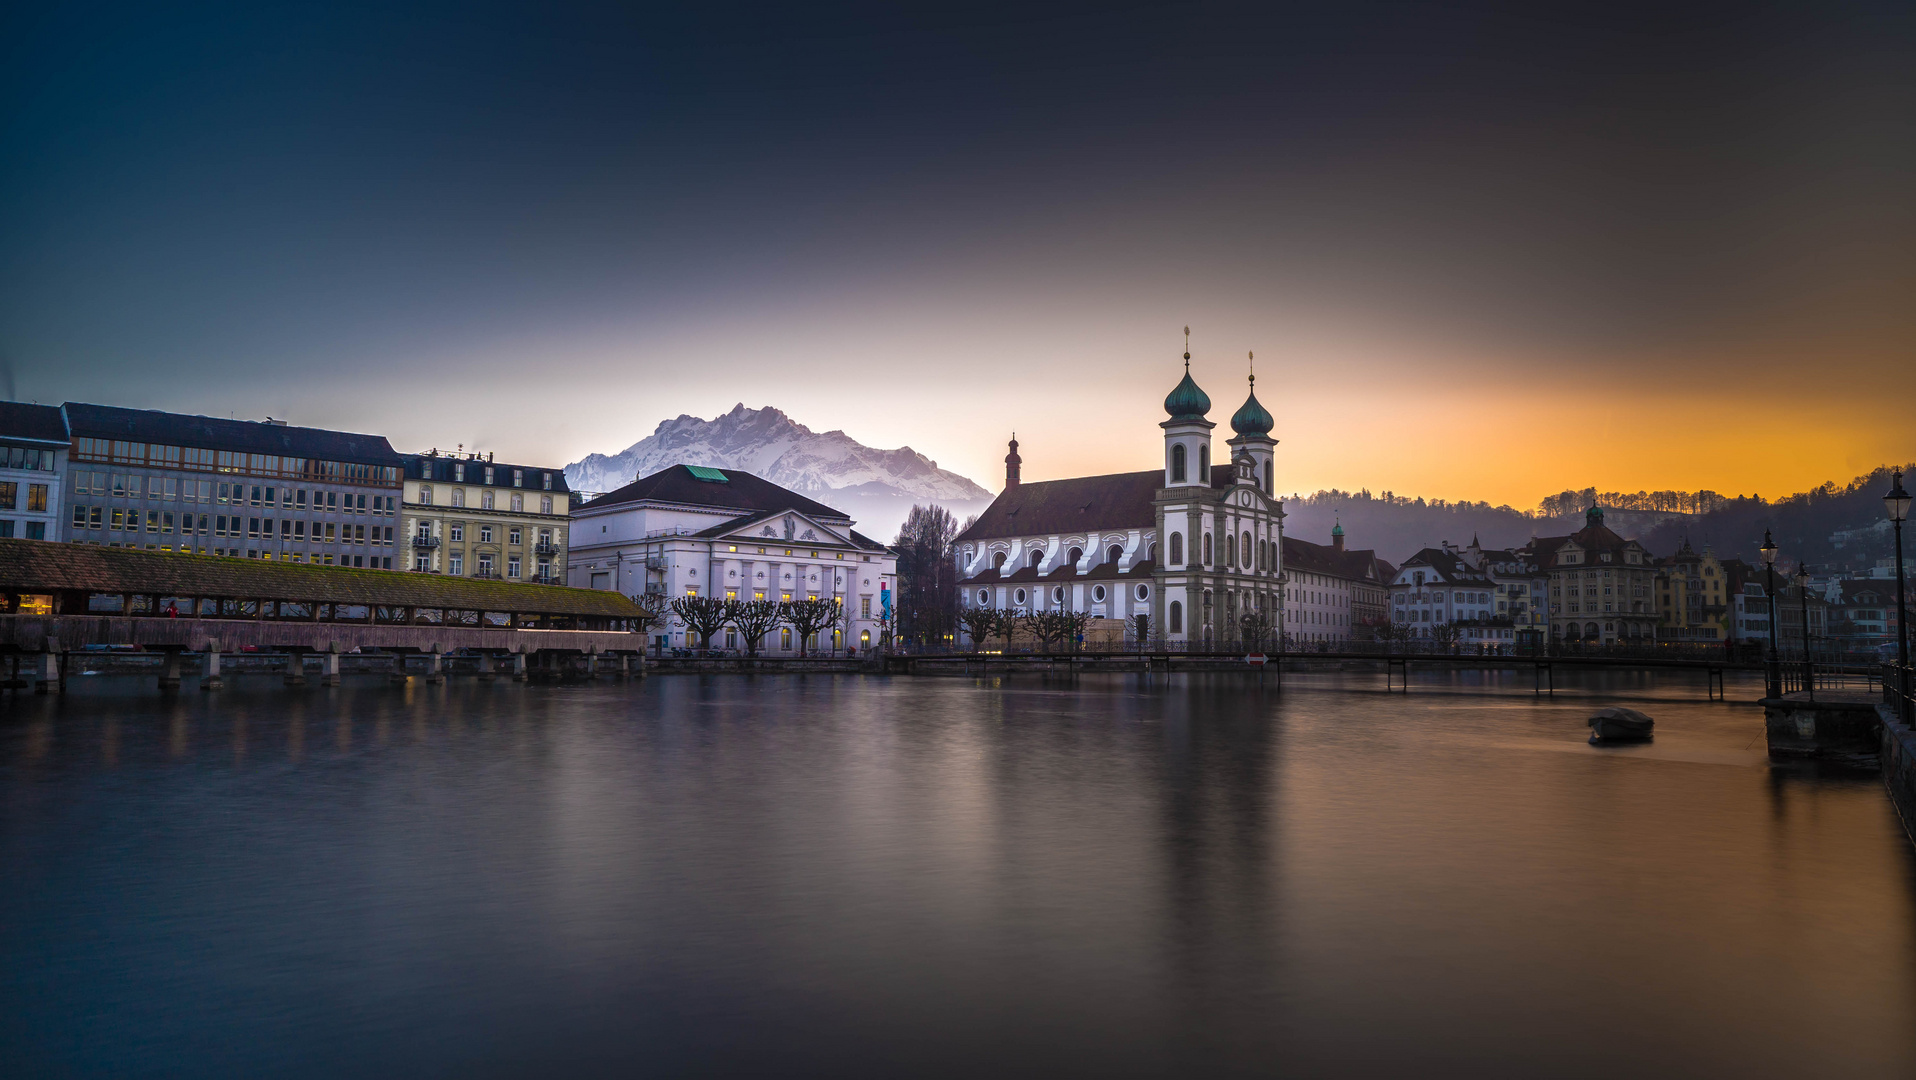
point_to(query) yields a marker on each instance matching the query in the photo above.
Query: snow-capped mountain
(875, 487)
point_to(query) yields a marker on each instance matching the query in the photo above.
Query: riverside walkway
(60, 598)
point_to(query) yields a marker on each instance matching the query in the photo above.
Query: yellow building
(1693, 598)
(469, 516)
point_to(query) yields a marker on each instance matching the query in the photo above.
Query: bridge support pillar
(50, 680)
(398, 674)
(518, 666)
(592, 663)
(295, 667)
(329, 666)
(637, 664)
(210, 678)
(433, 672)
(486, 673)
(170, 670)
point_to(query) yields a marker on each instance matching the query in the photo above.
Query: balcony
(545, 547)
(425, 543)
(657, 562)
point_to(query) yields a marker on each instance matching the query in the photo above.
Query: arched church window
(1177, 463)
(998, 561)
(1076, 555)
(1207, 549)
(1245, 547)
(1204, 467)
(1176, 615)
(1034, 558)
(1177, 549)
(1114, 554)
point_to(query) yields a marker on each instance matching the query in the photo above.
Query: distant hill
(1831, 526)
(875, 487)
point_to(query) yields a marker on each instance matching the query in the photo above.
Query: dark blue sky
(541, 229)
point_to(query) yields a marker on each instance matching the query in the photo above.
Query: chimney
(1012, 461)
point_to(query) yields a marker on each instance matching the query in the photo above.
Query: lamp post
(1897, 502)
(1803, 596)
(1772, 668)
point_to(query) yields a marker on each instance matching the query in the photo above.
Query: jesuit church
(1194, 547)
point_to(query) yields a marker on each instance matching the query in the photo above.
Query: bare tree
(1047, 627)
(979, 623)
(1256, 627)
(927, 607)
(1445, 635)
(754, 619)
(651, 610)
(809, 616)
(702, 615)
(1007, 625)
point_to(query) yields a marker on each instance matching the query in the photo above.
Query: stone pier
(1833, 726)
(210, 677)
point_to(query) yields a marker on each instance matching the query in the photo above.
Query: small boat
(1620, 725)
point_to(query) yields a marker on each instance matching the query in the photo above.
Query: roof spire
(1187, 350)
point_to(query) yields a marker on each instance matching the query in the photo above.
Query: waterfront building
(1602, 587)
(1865, 609)
(1749, 612)
(1189, 552)
(470, 516)
(1693, 596)
(33, 465)
(164, 481)
(1438, 586)
(694, 531)
(1517, 591)
(1331, 594)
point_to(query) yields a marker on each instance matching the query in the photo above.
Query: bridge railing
(1899, 690)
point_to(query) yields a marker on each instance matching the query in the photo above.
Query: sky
(1479, 252)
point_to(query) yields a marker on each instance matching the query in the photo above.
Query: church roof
(1252, 418)
(1324, 559)
(1186, 401)
(1080, 504)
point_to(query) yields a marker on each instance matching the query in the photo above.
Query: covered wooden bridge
(56, 598)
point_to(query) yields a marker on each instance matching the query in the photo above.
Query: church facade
(1189, 554)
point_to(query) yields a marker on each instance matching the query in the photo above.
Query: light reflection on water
(1117, 875)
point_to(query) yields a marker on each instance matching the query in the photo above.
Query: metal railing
(1899, 689)
(425, 541)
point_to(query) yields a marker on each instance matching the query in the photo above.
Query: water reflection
(1127, 875)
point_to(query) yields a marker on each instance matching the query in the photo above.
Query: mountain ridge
(877, 487)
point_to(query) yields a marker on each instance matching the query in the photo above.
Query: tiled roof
(1081, 504)
(1449, 568)
(39, 566)
(1322, 559)
(213, 433)
(741, 492)
(42, 423)
(439, 470)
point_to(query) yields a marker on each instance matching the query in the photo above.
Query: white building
(1190, 546)
(33, 461)
(693, 531)
(1438, 585)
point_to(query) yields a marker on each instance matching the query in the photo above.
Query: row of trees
(1570, 503)
(705, 616)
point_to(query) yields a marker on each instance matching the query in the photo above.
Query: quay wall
(1899, 766)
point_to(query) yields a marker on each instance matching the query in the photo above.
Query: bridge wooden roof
(40, 566)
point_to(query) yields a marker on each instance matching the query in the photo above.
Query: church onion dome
(1187, 402)
(1337, 529)
(1252, 418)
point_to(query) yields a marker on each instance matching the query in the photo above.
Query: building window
(1177, 466)
(425, 494)
(456, 564)
(518, 480)
(1144, 592)
(512, 537)
(545, 481)
(485, 565)
(1207, 549)
(485, 534)
(1177, 549)
(1176, 614)
(518, 503)
(512, 566)
(36, 530)
(37, 497)
(9, 495)
(545, 503)
(1097, 593)
(458, 497)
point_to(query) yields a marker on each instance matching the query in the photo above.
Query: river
(1120, 875)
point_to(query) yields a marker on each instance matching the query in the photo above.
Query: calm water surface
(860, 877)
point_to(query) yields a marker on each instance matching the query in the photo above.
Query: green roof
(710, 476)
(1187, 402)
(1252, 418)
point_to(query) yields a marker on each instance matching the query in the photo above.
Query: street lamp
(1897, 502)
(1803, 596)
(1773, 672)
